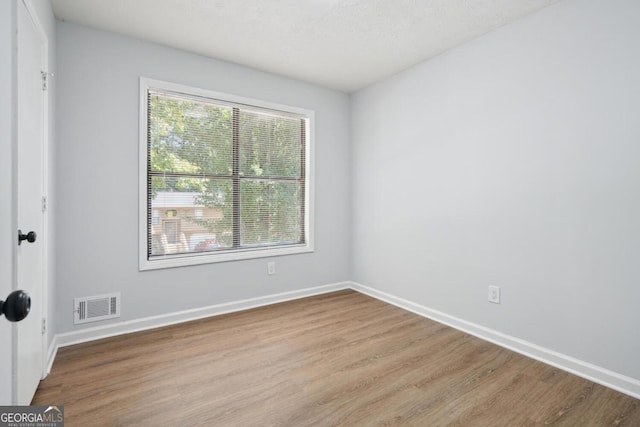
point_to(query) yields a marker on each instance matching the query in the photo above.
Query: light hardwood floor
(336, 359)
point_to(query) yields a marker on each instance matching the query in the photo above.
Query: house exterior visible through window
(222, 177)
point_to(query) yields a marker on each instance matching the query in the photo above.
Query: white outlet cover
(271, 268)
(494, 294)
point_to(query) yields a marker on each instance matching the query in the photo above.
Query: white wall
(97, 161)
(513, 160)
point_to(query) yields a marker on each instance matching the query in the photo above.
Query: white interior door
(30, 192)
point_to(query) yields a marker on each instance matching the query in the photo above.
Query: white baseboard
(127, 327)
(597, 374)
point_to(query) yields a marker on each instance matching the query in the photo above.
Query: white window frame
(181, 260)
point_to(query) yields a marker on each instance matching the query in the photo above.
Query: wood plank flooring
(335, 359)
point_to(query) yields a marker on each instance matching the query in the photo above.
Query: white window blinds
(222, 176)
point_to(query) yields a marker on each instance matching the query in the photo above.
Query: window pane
(270, 145)
(196, 219)
(189, 136)
(271, 212)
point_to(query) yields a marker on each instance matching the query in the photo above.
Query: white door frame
(45, 186)
(7, 178)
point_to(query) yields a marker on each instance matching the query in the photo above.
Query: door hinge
(44, 326)
(44, 203)
(44, 79)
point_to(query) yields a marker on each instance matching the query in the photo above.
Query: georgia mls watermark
(32, 416)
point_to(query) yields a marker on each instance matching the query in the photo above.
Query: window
(221, 177)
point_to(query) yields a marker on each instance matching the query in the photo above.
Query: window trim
(181, 260)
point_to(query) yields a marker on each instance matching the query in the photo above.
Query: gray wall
(513, 160)
(97, 180)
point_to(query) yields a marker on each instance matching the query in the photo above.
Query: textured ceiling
(341, 44)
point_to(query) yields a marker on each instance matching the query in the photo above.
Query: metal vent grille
(95, 308)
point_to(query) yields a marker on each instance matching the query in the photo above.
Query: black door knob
(29, 237)
(16, 307)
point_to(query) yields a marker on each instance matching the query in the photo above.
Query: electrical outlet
(271, 268)
(494, 294)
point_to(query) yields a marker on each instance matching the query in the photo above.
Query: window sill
(185, 260)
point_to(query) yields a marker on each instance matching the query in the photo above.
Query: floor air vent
(99, 307)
